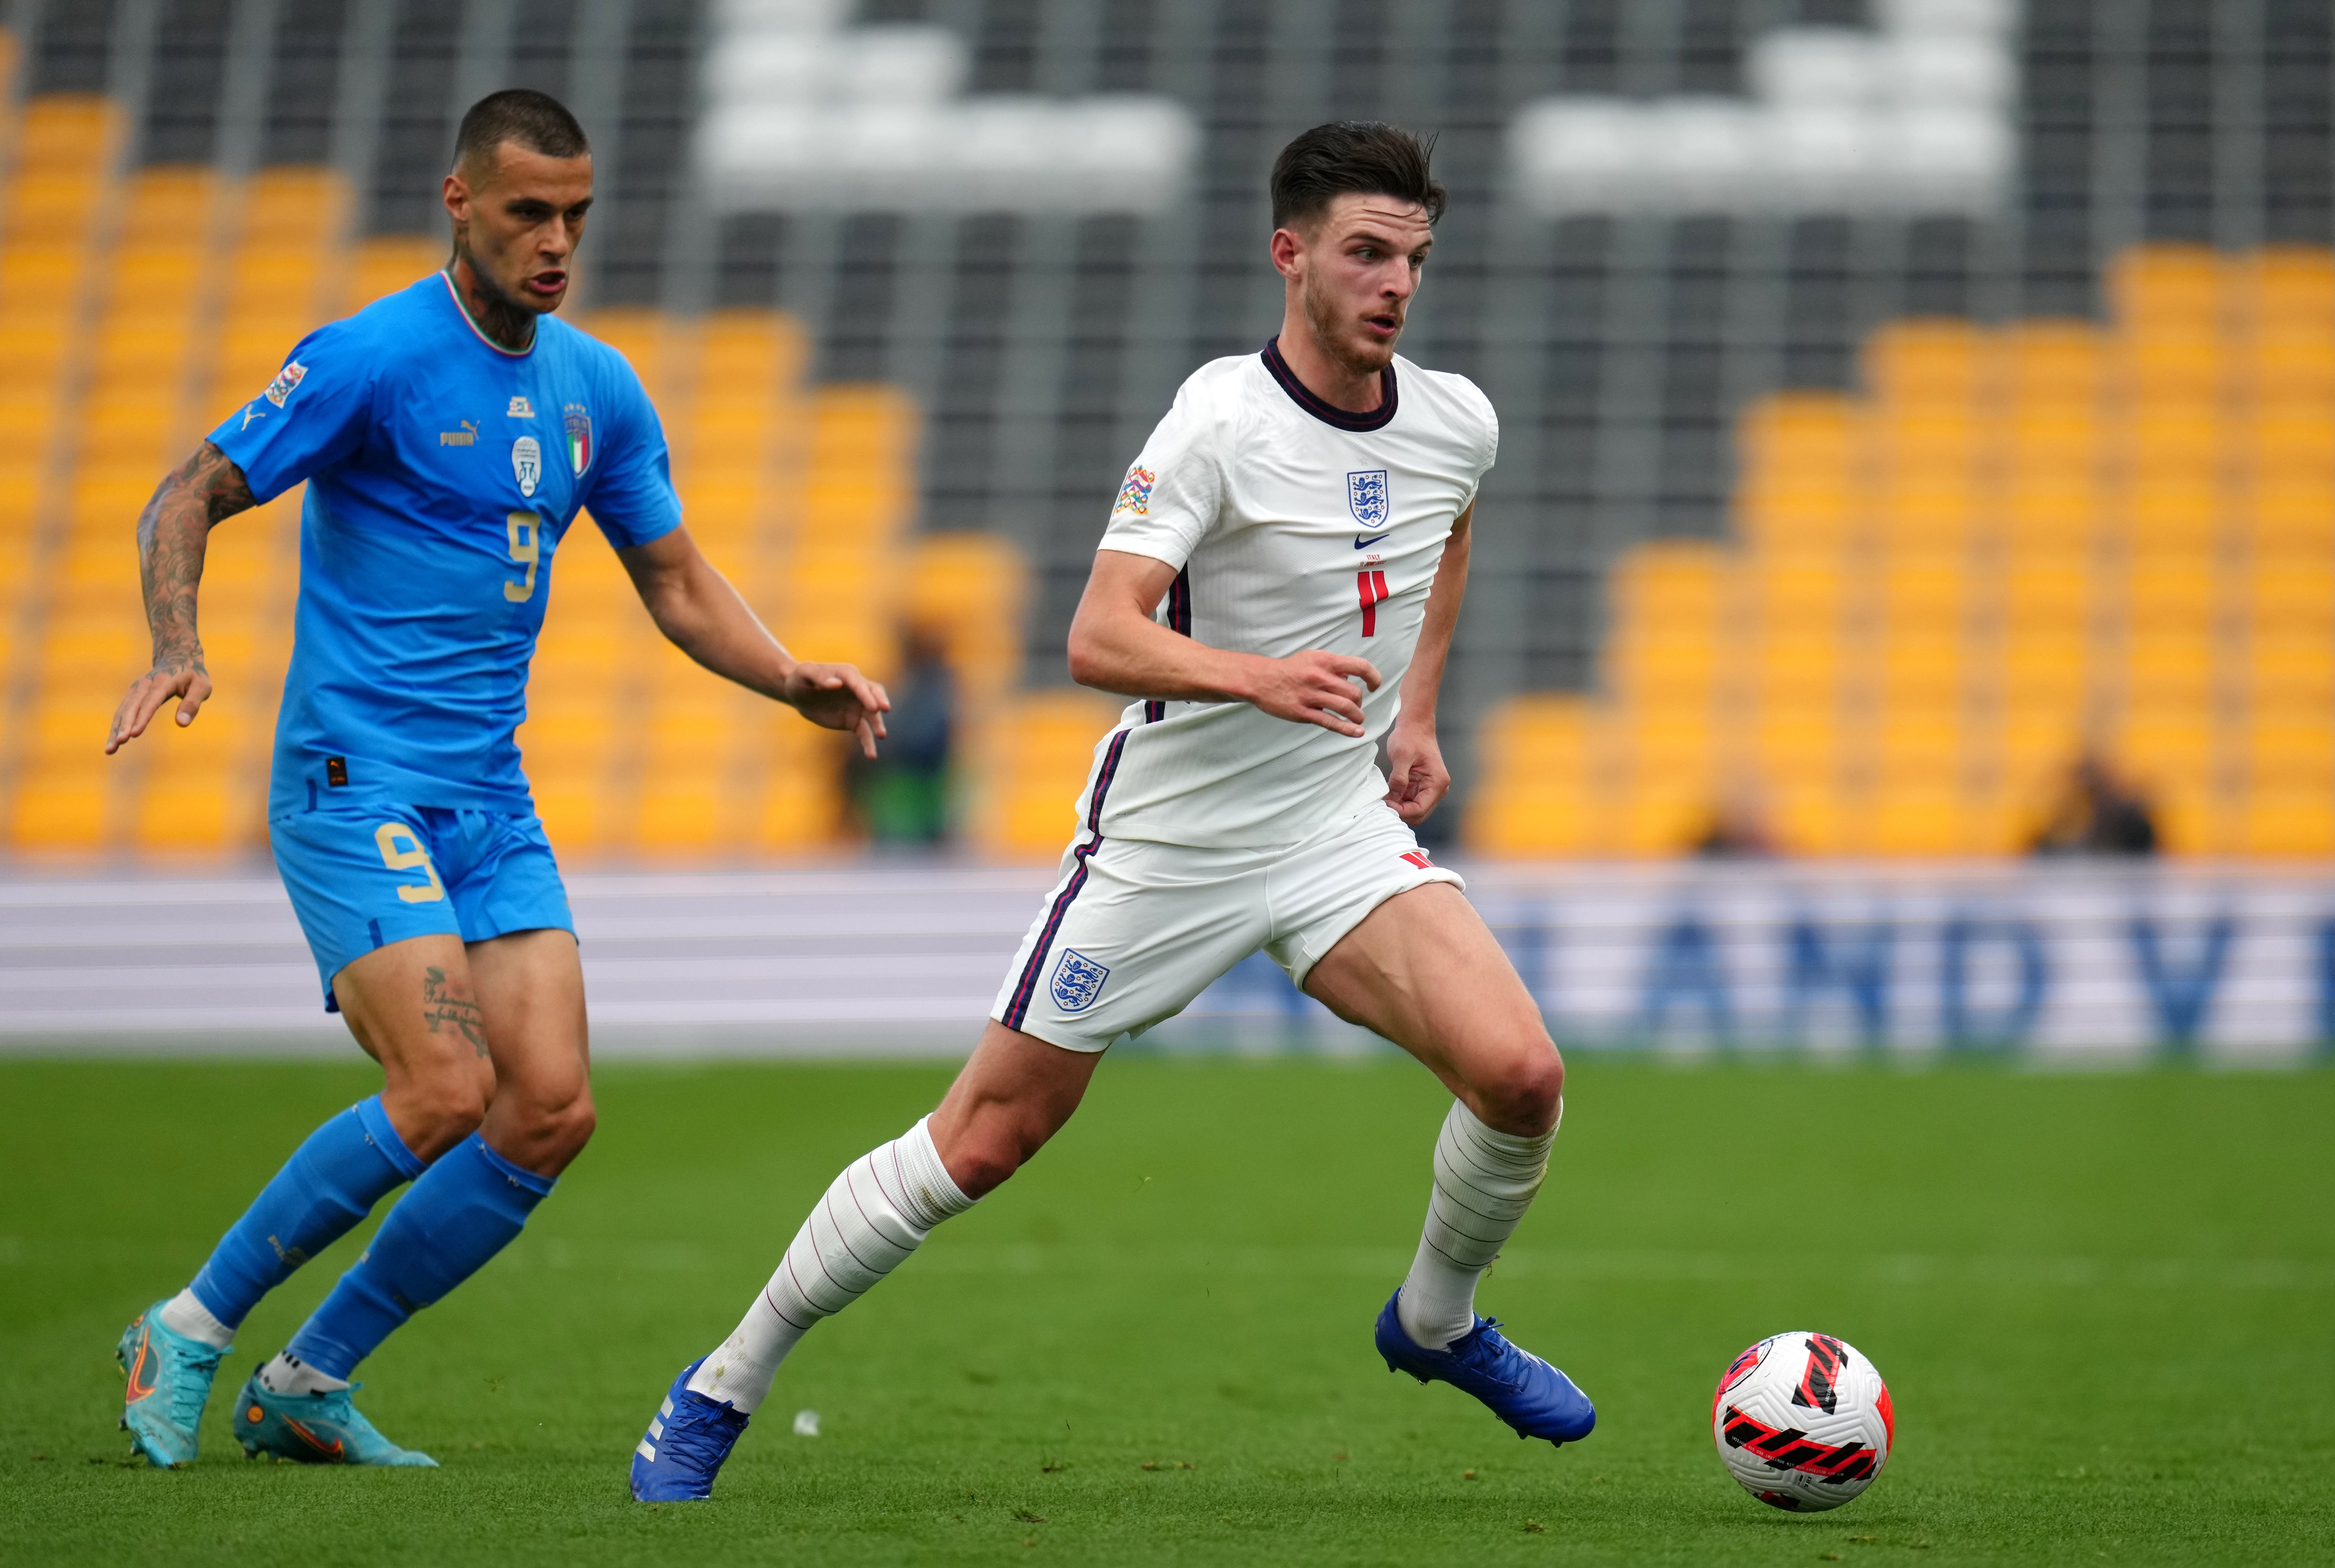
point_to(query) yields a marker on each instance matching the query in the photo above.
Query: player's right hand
(1315, 688)
(190, 683)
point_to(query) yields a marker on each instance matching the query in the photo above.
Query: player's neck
(500, 320)
(1335, 382)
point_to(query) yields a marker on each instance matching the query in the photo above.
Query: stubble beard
(1335, 332)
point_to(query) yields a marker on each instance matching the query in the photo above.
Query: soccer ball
(1803, 1422)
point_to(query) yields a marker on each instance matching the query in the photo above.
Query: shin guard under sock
(1483, 1182)
(330, 1182)
(876, 1213)
(464, 1210)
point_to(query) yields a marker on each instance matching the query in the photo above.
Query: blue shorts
(364, 877)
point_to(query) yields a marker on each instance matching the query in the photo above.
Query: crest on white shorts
(1366, 497)
(1078, 980)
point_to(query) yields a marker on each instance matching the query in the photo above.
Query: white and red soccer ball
(1803, 1422)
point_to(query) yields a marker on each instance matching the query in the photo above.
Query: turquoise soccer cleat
(170, 1380)
(313, 1429)
(1518, 1387)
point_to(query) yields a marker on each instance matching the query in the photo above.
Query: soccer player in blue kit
(449, 434)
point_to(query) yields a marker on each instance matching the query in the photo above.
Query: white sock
(286, 1375)
(880, 1209)
(185, 1313)
(1483, 1182)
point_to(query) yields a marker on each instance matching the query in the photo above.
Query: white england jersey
(1293, 525)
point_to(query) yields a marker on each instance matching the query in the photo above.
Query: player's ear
(1287, 247)
(456, 194)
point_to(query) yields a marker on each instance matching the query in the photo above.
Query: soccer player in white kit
(1276, 588)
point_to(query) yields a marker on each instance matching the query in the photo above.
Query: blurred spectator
(1738, 830)
(2098, 813)
(903, 797)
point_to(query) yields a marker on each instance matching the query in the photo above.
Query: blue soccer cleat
(313, 1429)
(688, 1438)
(1522, 1390)
(170, 1380)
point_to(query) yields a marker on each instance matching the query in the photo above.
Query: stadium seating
(2015, 545)
(136, 311)
(1776, 533)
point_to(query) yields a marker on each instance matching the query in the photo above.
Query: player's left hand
(839, 697)
(1416, 778)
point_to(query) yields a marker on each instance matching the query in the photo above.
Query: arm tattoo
(172, 532)
(449, 1015)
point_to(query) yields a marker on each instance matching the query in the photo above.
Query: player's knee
(566, 1129)
(449, 1105)
(981, 1162)
(1524, 1090)
(982, 1153)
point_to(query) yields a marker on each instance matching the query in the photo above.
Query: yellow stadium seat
(51, 209)
(1033, 763)
(1797, 746)
(288, 204)
(2290, 366)
(2292, 589)
(2170, 512)
(2292, 748)
(2165, 285)
(2051, 366)
(2044, 664)
(273, 281)
(26, 428)
(1796, 670)
(1797, 433)
(2291, 823)
(2291, 669)
(2170, 665)
(388, 263)
(1920, 666)
(2293, 285)
(40, 282)
(2169, 586)
(2296, 441)
(2293, 514)
(2166, 746)
(1799, 511)
(1937, 362)
(1650, 663)
(1918, 737)
(1943, 444)
(1922, 817)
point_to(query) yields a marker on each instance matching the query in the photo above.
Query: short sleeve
(1489, 450)
(315, 414)
(632, 498)
(1171, 496)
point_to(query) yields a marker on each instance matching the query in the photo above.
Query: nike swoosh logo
(1364, 541)
(142, 1377)
(331, 1450)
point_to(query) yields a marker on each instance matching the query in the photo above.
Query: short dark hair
(1362, 156)
(535, 121)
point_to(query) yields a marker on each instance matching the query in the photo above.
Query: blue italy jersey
(443, 471)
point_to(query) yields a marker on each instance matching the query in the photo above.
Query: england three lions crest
(1366, 497)
(1078, 980)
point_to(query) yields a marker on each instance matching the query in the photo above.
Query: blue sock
(464, 1211)
(330, 1182)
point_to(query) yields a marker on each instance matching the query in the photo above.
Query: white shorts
(1134, 931)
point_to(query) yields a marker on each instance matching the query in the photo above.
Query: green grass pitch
(2105, 1305)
